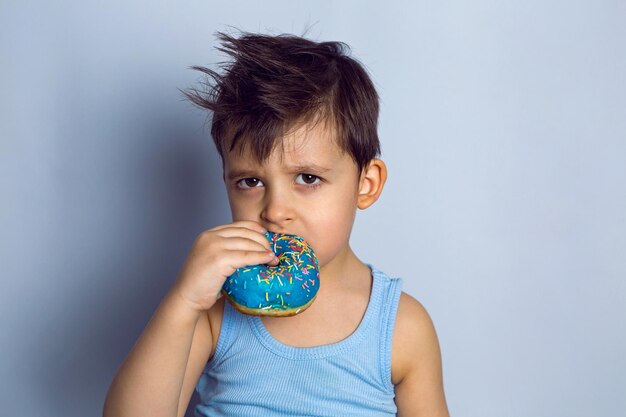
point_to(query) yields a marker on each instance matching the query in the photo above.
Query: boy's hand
(215, 255)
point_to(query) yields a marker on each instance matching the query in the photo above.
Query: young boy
(295, 123)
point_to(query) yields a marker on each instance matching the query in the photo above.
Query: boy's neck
(344, 269)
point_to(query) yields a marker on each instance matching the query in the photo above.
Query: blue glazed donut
(283, 290)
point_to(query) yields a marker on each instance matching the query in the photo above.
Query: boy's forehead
(302, 147)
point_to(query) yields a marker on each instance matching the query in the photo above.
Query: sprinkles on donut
(283, 290)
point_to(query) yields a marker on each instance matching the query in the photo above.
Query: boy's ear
(371, 183)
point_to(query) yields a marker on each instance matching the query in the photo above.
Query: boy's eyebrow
(306, 168)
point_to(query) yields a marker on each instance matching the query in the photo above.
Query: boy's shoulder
(415, 343)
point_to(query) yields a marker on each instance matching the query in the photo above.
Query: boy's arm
(416, 363)
(158, 375)
(149, 381)
(207, 331)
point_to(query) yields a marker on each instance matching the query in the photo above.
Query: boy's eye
(309, 179)
(248, 182)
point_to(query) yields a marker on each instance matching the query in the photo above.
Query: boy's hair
(276, 83)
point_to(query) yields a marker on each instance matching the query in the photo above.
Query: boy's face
(307, 187)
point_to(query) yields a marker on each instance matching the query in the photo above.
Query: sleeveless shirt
(252, 374)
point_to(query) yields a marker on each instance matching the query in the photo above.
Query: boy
(295, 123)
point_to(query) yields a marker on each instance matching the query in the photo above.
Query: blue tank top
(252, 374)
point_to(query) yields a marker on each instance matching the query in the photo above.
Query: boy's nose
(277, 208)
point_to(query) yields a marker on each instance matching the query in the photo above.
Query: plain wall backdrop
(503, 125)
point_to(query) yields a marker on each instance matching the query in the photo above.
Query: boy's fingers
(274, 261)
(247, 258)
(248, 224)
(243, 233)
(245, 244)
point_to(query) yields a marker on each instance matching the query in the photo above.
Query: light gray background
(503, 125)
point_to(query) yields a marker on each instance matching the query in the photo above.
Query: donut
(283, 290)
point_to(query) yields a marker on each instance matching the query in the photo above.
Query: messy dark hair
(276, 83)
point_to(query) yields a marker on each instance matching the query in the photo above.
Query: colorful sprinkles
(281, 289)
